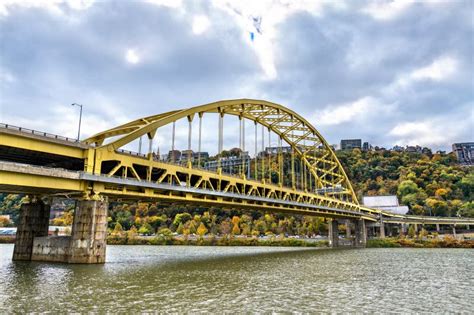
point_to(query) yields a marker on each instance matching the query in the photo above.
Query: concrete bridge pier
(382, 228)
(89, 233)
(34, 222)
(348, 229)
(333, 233)
(86, 244)
(360, 233)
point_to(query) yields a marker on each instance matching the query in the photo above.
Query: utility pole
(80, 118)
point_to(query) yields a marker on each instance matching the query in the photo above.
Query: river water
(191, 279)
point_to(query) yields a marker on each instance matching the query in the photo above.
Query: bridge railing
(37, 133)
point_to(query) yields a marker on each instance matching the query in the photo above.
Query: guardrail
(37, 133)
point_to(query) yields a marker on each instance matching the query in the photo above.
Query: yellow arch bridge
(293, 170)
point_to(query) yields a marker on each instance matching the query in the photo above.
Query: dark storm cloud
(325, 63)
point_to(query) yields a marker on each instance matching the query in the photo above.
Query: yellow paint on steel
(44, 145)
(26, 182)
(290, 126)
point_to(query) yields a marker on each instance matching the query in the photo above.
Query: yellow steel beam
(37, 144)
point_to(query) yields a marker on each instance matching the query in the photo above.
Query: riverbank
(445, 242)
(214, 241)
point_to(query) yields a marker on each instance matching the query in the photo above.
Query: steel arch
(307, 142)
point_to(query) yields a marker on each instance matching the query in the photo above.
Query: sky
(388, 72)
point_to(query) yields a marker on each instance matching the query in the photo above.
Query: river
(244, 279)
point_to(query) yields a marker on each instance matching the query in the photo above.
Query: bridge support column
(360, 233)
(404, 228)
(348, 229)
(454, 230)
(89, 233)
(34, 221)
(437, 227)
(382, 228)
(333, 234)
(87, 242)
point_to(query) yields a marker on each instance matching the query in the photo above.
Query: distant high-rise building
(366, 146)
(464, 152)
(349, 144)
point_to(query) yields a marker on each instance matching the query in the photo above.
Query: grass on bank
(447, 242)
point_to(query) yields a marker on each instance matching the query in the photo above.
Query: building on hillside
(398, 148)
(464, 152)
(366, 146)
(185, 154)
(230, 164)
(349, 144)
(413, 149)
(174, 155)
(387, 203)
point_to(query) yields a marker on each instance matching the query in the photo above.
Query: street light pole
(80, 118)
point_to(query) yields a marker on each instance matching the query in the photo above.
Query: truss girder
(287, 124)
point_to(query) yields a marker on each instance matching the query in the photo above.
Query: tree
(235, 229)
(181, 218)
(180, 228)
(165, 232)
(118, 230)
(225, 227)
(467, 209)
(132, 233)
(411, 231)
(145, 229)
(201, 230)
(4, 222)
(65, 219)
(407, 187)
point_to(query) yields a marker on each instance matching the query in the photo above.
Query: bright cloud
(430, 132)
(334, 115)
(200, 24)
(440, 69)
(387, 10)
(261, 19)
(166, 3)
(54, 6)
(132, 57)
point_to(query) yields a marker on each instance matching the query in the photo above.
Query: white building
(386, 203)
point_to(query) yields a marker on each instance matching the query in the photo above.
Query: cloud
(259, 21)
(353, 76)
(433, 132)
(132, 57)
(387, 10)
(440, 69)
(352, 111)
(54, 6)
(200, 24)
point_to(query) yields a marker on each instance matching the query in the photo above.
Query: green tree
(145, 229)
(118, 230)
(407, 187)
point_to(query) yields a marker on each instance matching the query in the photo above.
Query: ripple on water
(244, 279)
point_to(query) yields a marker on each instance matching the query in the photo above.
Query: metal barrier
(37, 133)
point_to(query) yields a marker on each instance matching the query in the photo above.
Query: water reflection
(243, 279)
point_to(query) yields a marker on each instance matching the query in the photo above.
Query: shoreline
(446, 242)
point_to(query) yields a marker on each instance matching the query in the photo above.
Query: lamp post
(80, 118)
